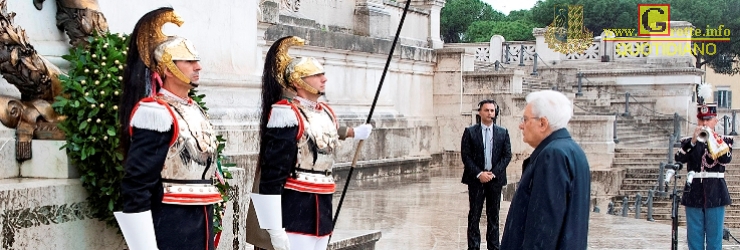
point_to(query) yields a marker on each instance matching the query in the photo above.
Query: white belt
(703, 175)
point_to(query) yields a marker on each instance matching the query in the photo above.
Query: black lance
(370, 116)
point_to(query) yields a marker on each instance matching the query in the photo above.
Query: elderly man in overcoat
(550, 208)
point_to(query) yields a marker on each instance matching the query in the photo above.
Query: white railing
(592, 53)
(498, 49)
(482, 50)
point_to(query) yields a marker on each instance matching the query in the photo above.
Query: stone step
(639, 160)
(732, 212)
(635, 181)
(640, 150)
(733, 177)
(639, 187)
(734, 224)
(640, 156)
(635, 165)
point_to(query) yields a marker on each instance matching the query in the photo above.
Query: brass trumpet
(705, 132)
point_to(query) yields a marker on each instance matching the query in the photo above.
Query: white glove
(137, 229)
(363, 131)
(279, 239)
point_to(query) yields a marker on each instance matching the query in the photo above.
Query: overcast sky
(504, 6)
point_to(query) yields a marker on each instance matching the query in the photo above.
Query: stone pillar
(516, 82)
(547, 54)
(606, 48)
(268, 15)
(496, 48)
(371, 19)
(680, 44)
(435, 9)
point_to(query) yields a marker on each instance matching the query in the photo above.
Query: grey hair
(553, 105)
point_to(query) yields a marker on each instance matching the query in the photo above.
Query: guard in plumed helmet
(169, 143)
(706, 155)
(298, 138)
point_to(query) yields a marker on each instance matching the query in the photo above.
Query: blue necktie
(487, 149)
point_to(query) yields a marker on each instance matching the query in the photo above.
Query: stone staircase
(633, 133)
(641, 174)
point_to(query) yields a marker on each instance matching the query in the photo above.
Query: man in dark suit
(486, 151)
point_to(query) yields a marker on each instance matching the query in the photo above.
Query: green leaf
(111, 131)
(90, 99)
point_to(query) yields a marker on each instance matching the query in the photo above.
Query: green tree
(520, 15)
(481, 31)
(457, 15)
(597, 14)
(705, 14)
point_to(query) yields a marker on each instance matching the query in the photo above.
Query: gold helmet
(165, 49)
(292, 70)
(173, 49)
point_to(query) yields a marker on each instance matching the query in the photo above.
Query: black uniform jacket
(707, 192)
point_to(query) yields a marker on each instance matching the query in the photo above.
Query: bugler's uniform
(706, 196)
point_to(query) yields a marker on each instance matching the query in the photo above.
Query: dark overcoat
(550, 208)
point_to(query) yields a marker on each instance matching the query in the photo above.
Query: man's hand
(697, 131)
(485, 176)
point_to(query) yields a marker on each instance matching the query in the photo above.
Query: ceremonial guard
(705, 196)
(298, 139)
(170, 145)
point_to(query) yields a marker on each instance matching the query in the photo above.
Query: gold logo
(654, 20)
(566, 34)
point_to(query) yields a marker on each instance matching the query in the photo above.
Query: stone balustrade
(604, 48)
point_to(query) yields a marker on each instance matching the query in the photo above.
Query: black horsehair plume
(272, 91)
(135, 78)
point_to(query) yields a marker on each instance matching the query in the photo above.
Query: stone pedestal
(496, 48)
(548, 55)
(235, 218)
(435, 9)
(51, 214)
(594, 134)
(371, 19)
(8, 164)
(48, 161)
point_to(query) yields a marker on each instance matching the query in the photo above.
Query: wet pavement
(429, 211)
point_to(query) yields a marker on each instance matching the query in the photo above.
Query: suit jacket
(550, 208)
(473, 155)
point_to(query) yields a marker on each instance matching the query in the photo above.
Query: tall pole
(370, 115)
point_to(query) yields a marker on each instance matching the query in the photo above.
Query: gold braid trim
(150, 35)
